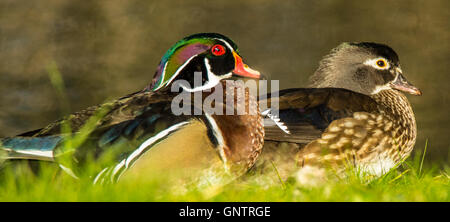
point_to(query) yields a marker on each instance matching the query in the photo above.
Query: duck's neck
(240, 136)
(397, 106)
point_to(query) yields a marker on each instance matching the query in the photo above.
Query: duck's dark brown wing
(126, 130)
(132, 118)
(307, 112)
(122, 109)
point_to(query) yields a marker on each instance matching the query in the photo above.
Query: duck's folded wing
(130, 127)
(304, 113)
(114, 148)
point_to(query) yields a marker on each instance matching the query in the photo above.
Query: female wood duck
(354, 113)
(139, 135)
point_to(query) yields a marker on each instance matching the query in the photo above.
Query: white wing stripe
(219, 137)
(276, 120)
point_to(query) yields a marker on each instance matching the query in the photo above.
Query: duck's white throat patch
(212, 81)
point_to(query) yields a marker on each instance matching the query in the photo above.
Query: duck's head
(363, 67)
(212, 55)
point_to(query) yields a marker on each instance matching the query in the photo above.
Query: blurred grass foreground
(410, 182)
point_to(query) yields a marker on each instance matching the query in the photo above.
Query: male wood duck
(139, 135)
(354, 112)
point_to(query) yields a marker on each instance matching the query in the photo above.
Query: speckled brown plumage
(243, 134)
(362, 130)
(386, 134)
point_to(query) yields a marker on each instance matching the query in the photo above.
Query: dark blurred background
(106, 49)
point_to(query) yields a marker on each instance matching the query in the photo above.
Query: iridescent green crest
(180, 54)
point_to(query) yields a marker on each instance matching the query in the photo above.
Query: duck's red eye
(218, 50)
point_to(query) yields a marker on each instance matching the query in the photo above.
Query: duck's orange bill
(242, 69)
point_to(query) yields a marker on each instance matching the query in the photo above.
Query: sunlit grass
(403, 184)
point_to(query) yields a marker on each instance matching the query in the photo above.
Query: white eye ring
(375, 63)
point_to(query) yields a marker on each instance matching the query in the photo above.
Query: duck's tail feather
(32, 148)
